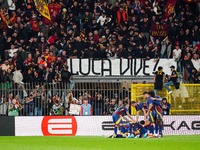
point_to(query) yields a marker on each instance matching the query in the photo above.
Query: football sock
(152, 130)
(160, 129)
(129, 128)
(149, 128)
(156, 129)
(115, 130)
(122, 129)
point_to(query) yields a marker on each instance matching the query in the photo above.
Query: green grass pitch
(176, 142)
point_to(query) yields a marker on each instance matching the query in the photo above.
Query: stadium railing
(106, 90)
(184, 101)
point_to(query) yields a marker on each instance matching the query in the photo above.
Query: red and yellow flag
(54, 9)
(169, 9)
(42, 8)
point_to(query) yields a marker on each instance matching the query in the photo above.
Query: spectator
(13, 109)
(122, 17)
(98, 104)
(11, 5)
(116, 97)
(195, 61)
(195, 35)
(29, 105)
(52, 38)
(166, 106)
(56, 109)
(120, 104)
(159, 79)
(113, 106)
(172, 79)
(34, 24)
(194, 76)
(68, 100)
(42, 45)
(17, 61)
(5, 66)
(3, 106)
(177, 56)
(17, 76)
(12, 51)
(50, 75)
(86, 109)
(186, 57)
(165, 48)
(129, 53)
(29, 59)
(106, 106)
(38, 100)
(7, 21)
(136, 6)
(4, 78)
(147, 53)
(101, 20)
(9, 75)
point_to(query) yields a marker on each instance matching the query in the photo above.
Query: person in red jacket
(52, 38)
(122, 16)
(34, 23)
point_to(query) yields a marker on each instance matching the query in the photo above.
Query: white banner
(119, 67)
(95, 125)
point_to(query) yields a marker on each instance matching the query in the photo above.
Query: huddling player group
(150, 127)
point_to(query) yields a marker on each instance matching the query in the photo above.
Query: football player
(138, 130)
(117, 119)
(140, 107)
(150, 113)
(126, 127)
(158, 114)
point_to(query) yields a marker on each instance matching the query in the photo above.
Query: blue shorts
(151, 116)
(120, 135)
(143, 131)
(126, 130)
(117, 119)
(159, 115)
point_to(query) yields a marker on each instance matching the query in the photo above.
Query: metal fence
(34, 99)
(184, 101)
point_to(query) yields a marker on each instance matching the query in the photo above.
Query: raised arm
(157, 99)
(145, 114)
(129, 116)
(163, 78)
(137, 116)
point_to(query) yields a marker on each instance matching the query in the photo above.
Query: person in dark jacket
(166, 106)
(159, 79)
(65, 75)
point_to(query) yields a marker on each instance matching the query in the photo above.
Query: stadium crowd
(45, 100)
(36, 52)
(95, 30)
